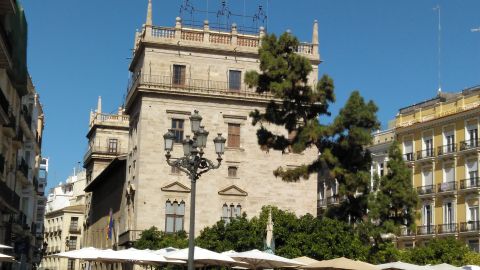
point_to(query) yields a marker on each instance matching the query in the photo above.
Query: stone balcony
(109, 119)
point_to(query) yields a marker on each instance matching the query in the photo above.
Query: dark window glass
(177, 127)
(179, 74)
(234, 80)
(112, 145)
(232, 171)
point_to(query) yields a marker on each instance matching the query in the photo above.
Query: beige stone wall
(254, 166)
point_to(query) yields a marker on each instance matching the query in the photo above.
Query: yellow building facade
(440, 143)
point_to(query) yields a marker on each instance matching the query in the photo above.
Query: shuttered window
(233, 135)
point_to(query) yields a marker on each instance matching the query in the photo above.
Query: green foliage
(394, 202)
(294, 236)
(154, 239)
(440, 250)
(472, 258)
(298, 107)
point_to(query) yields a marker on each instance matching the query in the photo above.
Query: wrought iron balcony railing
(425, 153)
(470, 183)
(447, 186)
(426, 190)
(200, 86)
(426, 229)
(469, 144)
(447, 228)
(446, 149)
(470, 226)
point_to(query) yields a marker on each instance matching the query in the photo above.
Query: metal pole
(191, 232)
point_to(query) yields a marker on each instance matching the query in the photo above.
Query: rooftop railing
(232, 38)
(109, 118)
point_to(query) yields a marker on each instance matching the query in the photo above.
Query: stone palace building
(176, 70)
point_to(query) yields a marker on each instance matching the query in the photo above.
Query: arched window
(174, 216)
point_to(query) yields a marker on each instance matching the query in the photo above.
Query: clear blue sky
(79, 50)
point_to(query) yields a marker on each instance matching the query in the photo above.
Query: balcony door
(428, 146)
(449, 142)
(472, 173)
(472, 136)
(427, 181)
(448, 216)
(408, 150)
(428, 218)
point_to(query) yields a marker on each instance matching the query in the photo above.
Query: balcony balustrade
(470, 226)
(447, 186)
(470, 183)
(469, 144)
(104, 150)
(426, 190)
(426, 230)
(446, 149)
(425, 153)
(447, 228)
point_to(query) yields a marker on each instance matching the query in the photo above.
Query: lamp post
(194, 165)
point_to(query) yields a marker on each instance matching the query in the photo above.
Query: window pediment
(176, 187)
(233, 190)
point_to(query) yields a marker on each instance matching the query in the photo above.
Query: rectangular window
(233, 135)
(473, 245)
(382, 170)
(177, 127)
(112, 145)
(175, 170)
(408, 148)
(74, 223)
(72, 243)
(234, 80)
(472, 136)
(71, 264)
(450, 140)
(232, 171)
(231, 211)
(448, 217)
(179, 72)
(428, 147)
(174, 216)
(472, 170)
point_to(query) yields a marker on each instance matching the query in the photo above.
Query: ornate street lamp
(194, 165)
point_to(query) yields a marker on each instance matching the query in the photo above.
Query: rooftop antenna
(438, 9)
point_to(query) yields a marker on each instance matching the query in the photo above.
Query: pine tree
(395, 201)
(298, 107)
